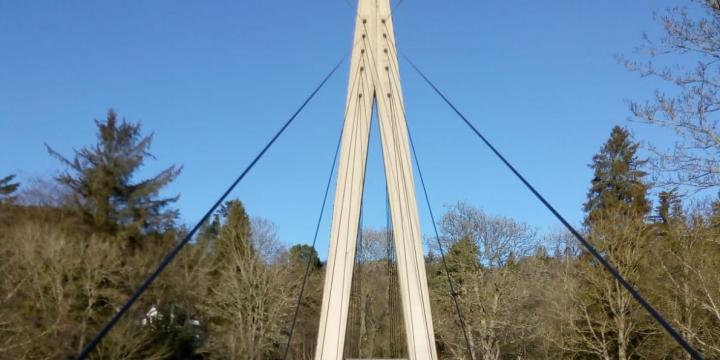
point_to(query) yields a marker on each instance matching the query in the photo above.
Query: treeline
(73, 249)
(70, 259)
(232, 293)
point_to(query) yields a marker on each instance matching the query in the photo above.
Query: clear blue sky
(214, 80)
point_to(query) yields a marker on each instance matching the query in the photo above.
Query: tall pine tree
(104, 187)
(608, 322)
(669, 209)
(236, 230)
(618, 183)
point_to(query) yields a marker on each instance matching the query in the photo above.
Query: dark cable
(352, 8)
(359, 238)
(336, 232)
(317, 228)
(614, 272)
(310, 259)
(169, 257)
(453, 294)
(370, 48)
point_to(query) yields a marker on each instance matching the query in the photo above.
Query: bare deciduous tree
(483, 255)
(57, 289)
(689, 54)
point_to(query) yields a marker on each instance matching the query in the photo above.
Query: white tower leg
(374, 76)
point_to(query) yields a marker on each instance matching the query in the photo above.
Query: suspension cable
(389, 105)
(312, 257)
(170, 256)
(453, 294)
(317, 227)
(586, 244)
(360, 111)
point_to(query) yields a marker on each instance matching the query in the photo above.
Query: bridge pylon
(375, 80)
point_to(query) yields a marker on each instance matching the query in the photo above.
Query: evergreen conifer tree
(236, 230)
(209, 231)
(462, 257)
(301, 254)
(102, 180)
(7, 188)
(610, 323)
(619, 181)
(669, 209)
(247, 297)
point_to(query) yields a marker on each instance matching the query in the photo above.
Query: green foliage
(231, 293)
(618, 181)
(177, 331)
(102, 179)
(235, 232)
(236, 218)
(247, 298)
(463, 257)
(301, 254)
(7, 188)
(669, 209)
(608, 320)
(209, 230)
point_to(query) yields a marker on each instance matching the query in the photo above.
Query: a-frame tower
(375, 78)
